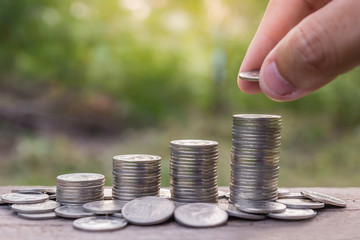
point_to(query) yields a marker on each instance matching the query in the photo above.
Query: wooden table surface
(331, 223)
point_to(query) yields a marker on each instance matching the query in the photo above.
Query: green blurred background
(81, 81)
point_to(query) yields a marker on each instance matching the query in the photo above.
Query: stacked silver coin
(256, 141)
(136, 175)
(193, 171)
(79, 188)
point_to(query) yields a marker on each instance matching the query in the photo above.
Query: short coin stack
(136, 175)
(193, 171)
(79, 188)
(256, 141)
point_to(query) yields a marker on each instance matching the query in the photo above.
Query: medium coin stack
(193, 171)
(79, 188)
(256, 142)
(136, 175)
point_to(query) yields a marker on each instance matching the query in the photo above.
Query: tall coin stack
(136, 175)
(256, 142)
(193, 171)
(79, 188)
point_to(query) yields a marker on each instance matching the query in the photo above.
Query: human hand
(301, 45)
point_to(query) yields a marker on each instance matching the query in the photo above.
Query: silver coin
(200, 215)
(35, 190)
(1, 201)
(148, 210)
(292, 196)
(194, 143)
(80, 177)
(283, 191)
(137, 158)
(294, 214)
(260, 207)
(165, 193)
(72, 211)
(324, 198)
(37, 216)
(104, 207)
(221, 194)
(107, 194)
(301, 203)
(48, 206)
(234, 212)
(24, 198)
(118, 215)
(100, 223)
(227, 195)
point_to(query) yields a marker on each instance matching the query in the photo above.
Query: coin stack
(256, 142)
(193, 171)
(136, 175)
(79, 188)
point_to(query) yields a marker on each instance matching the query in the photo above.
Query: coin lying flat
(148, 210)
(252, 76)
(118, 215)
(283, 192)
(260, 207)
(43, 207)
(234, 212)
(37, 216)
(35, 190)
(227, 195)
(101, 223)
(292, 196)
(108, 194)
(221, 194)
(75, 211)
(294, 214)
(200, 215)
(300, 203)
(104, 207)
(324, 198)
(24, 198)
(165, 193)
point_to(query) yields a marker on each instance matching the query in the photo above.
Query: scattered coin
(37, 216)
(108, 194)
(221, 194)
(324, 198)
(252, 76)
(24, 198)
(119, 215)
(100, 223)
(292, 196)
(148, 210)
(300, 203)
(165, 193)
(48, 206)
(227, 195)
(260, 207)
(75, 211)
(234, 212)
(200, 215)
(104, 207)
(35, 190)
(294, 214)
(283, 192)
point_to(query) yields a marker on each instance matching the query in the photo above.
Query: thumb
(322, 46)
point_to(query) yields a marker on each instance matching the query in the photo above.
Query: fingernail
(275, 83)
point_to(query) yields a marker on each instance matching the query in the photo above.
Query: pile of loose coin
(116, 214)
